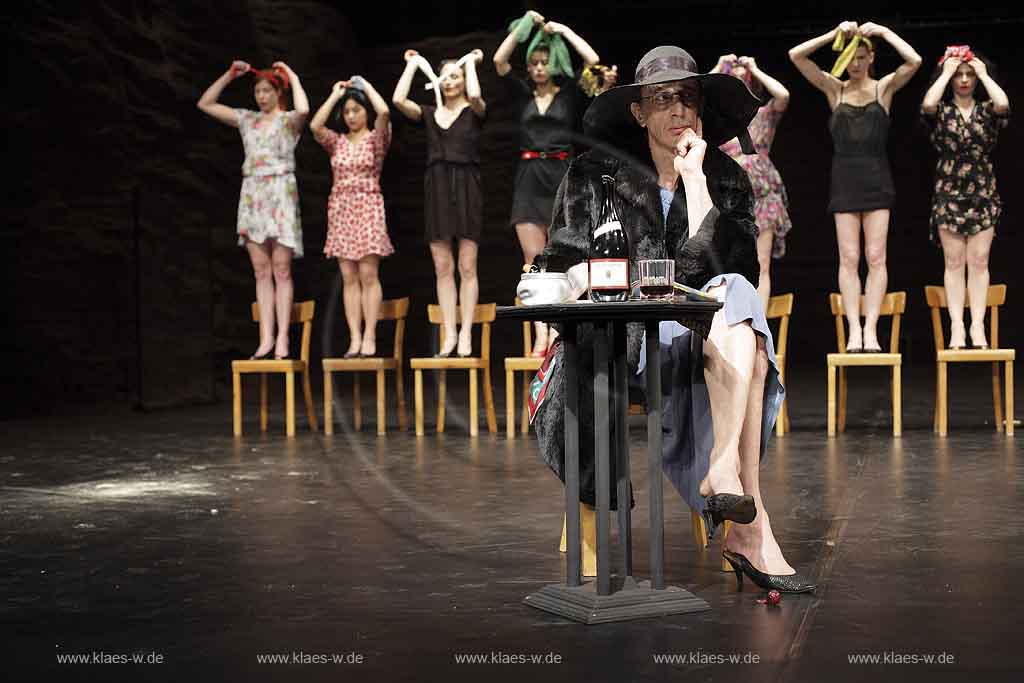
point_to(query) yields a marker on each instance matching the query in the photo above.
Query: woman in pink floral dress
(268, 208)
(770, 200)
(357, 234)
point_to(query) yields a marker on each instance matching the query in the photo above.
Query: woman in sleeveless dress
(862, 192)
(452, 188)
(268, 208)
(550, 103)
(965, 206)
(770, 201)
(357, 234)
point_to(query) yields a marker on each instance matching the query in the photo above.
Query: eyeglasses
(667, 98)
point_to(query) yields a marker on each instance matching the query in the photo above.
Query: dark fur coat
(725, 243)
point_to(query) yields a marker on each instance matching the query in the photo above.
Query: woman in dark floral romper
(966, 204)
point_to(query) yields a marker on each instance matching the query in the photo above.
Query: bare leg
(259, 254)
(281, 256)
(978, 248)
(469, 292)
(876, 235)
(755, 541)
(532, 238)
(765, 239)
(954, 251)
(352, 296)
(444, 270)
(848, 239)
(728, 367)
(372, 296)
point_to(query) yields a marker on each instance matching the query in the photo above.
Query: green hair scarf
(559, 62)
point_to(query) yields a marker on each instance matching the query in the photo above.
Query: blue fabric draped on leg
(688, 435)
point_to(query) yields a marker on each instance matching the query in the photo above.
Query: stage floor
(159, 534)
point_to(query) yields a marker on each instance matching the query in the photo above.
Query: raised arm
(300, 103)
(1000, 102)
(822, 80)
(208, 103)
(380, 107)
(779, 93)
(586, 53)
(722, 61)
(476, 99)
(320, 118)
(892, 83)
(932, 96)
(400, 98)
(508, 46)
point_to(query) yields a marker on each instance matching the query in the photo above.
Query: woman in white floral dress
(268, 209)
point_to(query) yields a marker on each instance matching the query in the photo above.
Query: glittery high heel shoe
(784, 583)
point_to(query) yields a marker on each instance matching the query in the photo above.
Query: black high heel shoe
(723, 506)
(784, 583)
(266, 356)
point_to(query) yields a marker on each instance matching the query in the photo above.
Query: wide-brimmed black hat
(728, 105)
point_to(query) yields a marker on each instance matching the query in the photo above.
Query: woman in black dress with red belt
(551, 104)
(862, 188)
(453, 192)
(966, 206)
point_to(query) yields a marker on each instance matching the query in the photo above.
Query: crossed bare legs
(735, 368)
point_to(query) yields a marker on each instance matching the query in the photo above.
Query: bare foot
(723, 477)
(354, 345)
(450, 339)
(368, 347)
(281, 348)
(871, 340)
(978, 335)
(855, 343)
(465, 342)
(757, 543)
(957, 335)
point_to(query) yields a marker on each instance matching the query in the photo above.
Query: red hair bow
(961, 52)
(277, 77)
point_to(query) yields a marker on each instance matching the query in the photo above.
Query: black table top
(629, 311)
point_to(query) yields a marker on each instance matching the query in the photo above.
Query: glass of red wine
(656, 278)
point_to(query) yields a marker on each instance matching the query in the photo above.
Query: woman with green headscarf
(550, 104)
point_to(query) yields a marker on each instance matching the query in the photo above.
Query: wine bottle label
(609, 273)
(606, 228)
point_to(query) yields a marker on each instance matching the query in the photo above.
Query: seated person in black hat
(678, 196)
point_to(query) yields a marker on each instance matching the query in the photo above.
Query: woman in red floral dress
(357, 234)
(966, 204)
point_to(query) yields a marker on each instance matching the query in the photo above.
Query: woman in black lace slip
(862, 190)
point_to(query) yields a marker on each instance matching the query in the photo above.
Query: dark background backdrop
(124, 280)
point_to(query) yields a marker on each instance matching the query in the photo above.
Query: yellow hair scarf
(845, 55)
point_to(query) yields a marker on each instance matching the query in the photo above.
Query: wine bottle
(609, 253)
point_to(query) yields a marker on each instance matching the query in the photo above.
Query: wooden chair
(484, 314)
(780, 307)
(936, 297)
(302, 313)
(392, 309)
(894, 305)
(526, 364)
